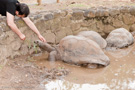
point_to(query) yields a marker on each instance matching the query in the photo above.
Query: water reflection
(126, 84)
(65, 85)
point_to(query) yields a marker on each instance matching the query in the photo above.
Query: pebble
(116, 74)
(26, 75)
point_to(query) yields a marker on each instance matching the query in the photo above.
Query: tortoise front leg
(52, 56)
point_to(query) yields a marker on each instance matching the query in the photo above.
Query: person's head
(22, 10)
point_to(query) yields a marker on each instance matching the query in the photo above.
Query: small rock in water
(116, 74)
(26, 75)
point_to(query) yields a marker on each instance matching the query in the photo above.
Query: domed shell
(95, 37)
(119, 38)
(81, 50)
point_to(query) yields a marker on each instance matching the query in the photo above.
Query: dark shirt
(7, 6)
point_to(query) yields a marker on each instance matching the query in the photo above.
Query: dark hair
(23, 9)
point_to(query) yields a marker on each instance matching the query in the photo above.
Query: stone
(100, 25)
(75, 26)
(16, 45)
(90, 13)
(5, 51)
(59, 35)
(42, 25)
(4, 26)
(128, 19)
(117, 23)
(102, 12)
(132, 28)
(77, 15)
(24, 50)
(114, 11)
(65, 21)
(108, 28)
(124, 9)
(86, 23)
(59, 14)
(49, 36)
(56, 24)
(20, 23)
(132, 10)
(7, 36)
(67, 30)
(48, 16)
(36, 17)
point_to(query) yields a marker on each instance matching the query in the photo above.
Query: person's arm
(34, 28)
(12, 25)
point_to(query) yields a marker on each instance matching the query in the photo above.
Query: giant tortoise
(76, 50)
(119, 38)
(94, 36)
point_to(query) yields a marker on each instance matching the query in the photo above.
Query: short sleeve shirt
(7, 6)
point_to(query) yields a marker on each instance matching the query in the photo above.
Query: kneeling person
(10, 8)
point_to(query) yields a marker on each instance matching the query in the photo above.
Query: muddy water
(119, 75)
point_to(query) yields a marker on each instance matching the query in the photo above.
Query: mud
(27, 72)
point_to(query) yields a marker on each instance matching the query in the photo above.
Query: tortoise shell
(81, 50)
(95, 37)
(119, 38)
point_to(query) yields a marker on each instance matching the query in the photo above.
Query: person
(10, 8)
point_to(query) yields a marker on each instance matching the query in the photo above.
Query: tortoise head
(38, 42)
(43, 45)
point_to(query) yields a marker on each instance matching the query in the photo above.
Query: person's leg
(58, 1)
(39, 2)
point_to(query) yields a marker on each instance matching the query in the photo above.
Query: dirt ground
(64, 4)
(28, 72)
(31, 72)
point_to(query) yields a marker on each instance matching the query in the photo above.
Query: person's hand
(41, 38)
(22, 37)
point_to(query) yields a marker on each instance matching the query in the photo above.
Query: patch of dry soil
(66, 4)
